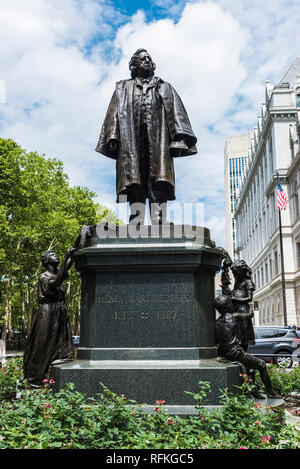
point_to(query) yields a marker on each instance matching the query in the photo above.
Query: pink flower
(202, 418)
(266, 438)
(171, 422)
(243, 447)
(45, 381)
(258, 422)
(47, 405)
(51, 381)
(160, 402)
(156, 409)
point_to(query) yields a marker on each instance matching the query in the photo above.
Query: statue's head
(141, 64)
(223, 304)
(49, 257)
(240, 269)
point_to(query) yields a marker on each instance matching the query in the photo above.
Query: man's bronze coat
(167, 122)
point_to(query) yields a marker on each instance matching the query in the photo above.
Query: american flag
(282, 199)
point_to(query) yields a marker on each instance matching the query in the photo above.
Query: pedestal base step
(147, 381)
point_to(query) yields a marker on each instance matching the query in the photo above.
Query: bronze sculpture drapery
(145, 127)
(50, 338)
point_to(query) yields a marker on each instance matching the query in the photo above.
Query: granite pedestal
(147, 316)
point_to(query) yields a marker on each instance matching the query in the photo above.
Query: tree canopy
(39, 210)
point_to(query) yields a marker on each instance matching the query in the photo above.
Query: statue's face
(242, 271)
(53, 259)
(144, 64)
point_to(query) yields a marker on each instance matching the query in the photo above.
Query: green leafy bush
(285, 380)
(68, 419)
(10, 374)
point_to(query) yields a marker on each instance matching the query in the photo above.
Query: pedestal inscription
(147, 320)
(152, 310)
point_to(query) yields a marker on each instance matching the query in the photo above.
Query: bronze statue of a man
(145, 127)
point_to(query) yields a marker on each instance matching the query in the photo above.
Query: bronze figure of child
(228, 327)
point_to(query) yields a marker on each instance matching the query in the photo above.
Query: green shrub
(10, 374)
(41, 420)
(68, 419)
(285, 380)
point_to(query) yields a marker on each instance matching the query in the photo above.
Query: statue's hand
(113, 146)
(70, 252)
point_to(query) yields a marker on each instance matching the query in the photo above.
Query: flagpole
(282, 263)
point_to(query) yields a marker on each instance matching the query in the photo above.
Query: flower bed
(68, 419)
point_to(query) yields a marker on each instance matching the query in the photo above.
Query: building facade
(235, 162)
(274, 146)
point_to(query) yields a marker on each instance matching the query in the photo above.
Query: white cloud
(216, 225)
(192, 55)
(2, 92)
(57, 95)
(59, 80)
(51, 85)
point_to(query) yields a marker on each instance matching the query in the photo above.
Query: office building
(235, 161)
(274, 146)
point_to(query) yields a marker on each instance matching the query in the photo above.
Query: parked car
(275, 343)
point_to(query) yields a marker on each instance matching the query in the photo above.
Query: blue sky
(60, 60)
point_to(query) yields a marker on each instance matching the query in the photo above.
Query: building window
(298, 100)
(298, 255)
(296, 206)
(275, 262)
(273, 213)
(271, 155)
(266, 273)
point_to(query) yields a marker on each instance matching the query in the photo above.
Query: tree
(38, 211)
(105, 214)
